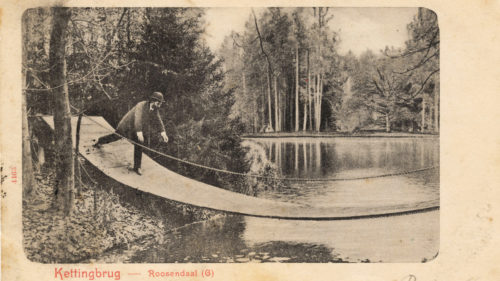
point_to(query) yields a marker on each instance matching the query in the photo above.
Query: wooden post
(78, 174)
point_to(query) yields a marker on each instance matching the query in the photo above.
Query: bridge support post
(78, 174)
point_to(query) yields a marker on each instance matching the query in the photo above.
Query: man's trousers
(137, 149)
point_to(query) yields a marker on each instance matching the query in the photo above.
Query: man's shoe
(138, 171)
(96, 144)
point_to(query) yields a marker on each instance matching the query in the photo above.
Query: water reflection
(350, 158)
(411, 238)
(407, 238)
(225, 240)
(330, 157)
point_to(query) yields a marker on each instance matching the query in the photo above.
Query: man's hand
(164, 136)
(140, 137)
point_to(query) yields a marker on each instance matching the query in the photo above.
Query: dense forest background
(287, 75)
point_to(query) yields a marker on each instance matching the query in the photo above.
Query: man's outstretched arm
(162, 127)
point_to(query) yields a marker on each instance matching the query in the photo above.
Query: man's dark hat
(157, 96)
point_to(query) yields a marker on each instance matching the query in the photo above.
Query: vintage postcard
(249, 141)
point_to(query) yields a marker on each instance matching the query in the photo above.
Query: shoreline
(339, 135)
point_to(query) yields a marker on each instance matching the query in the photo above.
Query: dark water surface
(406, 238)
(325, 158)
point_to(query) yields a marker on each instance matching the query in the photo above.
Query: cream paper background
(470, 153)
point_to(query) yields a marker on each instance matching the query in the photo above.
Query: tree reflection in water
(330, 157)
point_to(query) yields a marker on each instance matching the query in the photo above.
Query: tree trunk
(269, 67)
(28, 179)
(313, 105)
(262, 113)
(436, 109)
(282, 105)
(78, 174)
(65, 170)
(304, 123)
(270, 122)
(320, 100)
(387, 123)
(315, 93)
(297, 88)
(317, 102)
(128, 29)
(254, 108)
(423, 115)
(319, 88)
(276, 106)
(290, 102)
(309, 91)
(282, 101)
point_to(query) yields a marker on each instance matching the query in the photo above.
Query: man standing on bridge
(136, 123)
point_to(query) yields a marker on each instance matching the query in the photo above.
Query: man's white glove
(140, 137)
(164, 136)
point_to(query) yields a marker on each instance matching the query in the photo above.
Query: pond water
(406, 238)
(348, 158)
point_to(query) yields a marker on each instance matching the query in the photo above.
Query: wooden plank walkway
(114, 160)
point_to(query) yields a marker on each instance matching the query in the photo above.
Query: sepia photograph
(230, 135)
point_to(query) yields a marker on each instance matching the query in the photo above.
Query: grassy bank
(101, 222)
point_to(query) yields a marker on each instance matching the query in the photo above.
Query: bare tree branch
(261, 44)
(408, 53)
(425, 82)
(419, 64)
